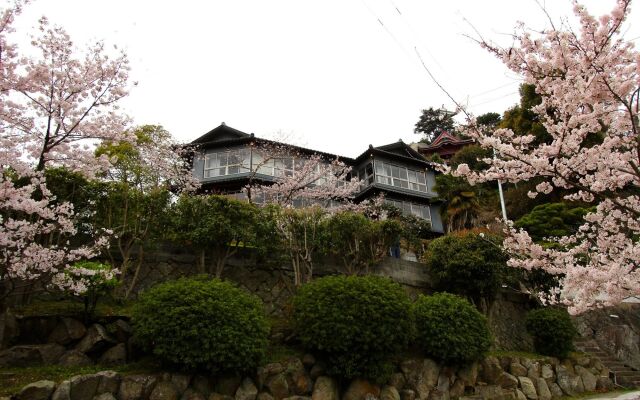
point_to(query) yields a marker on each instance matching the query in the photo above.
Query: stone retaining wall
(615, 329)
(274, 285)
(68, 342)
(494, 378)
(270, 282)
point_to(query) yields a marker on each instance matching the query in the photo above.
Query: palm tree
(461, 202)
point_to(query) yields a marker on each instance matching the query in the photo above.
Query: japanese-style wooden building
(445, 145)
(226, 158)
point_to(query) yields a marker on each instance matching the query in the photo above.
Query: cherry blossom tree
(135, 193)
(311, 180)
(317, 187)
(589, 82)
(54, 105)
(59, 100)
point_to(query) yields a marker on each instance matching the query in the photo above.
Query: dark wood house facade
(226, 159)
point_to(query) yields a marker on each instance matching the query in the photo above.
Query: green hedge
(356, 322)
(202, 323)
(450, 329)
(552, 331)
(469, 265)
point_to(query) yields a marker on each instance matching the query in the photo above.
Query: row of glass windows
(227, 163)
(408, 208)
(238, 161)
(402, 177)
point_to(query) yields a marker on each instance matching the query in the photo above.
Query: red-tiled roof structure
(445, 145)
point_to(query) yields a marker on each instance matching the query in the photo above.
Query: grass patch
(14, 379)
(594, 395)
(574, 355)
(71, 308)
(520, 354)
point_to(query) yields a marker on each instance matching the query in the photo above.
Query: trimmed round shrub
(355, 322)
(201, 323)
(468, 264)
(450, 329)
(552, 331)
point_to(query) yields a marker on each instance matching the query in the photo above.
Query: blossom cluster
(589, 81)
(55, 104)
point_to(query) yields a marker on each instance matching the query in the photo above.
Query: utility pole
(502, 205)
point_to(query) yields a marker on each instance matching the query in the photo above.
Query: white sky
(325, 72)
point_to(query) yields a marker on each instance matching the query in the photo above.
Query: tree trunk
(137, 273)
(295, 264)
(201, 263)
(220, 262)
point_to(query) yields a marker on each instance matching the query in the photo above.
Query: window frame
(243, 156)
(411, 208)
(387, 173)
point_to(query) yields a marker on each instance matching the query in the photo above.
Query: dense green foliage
(549, 220)
(216, 225)
(470, 265)
(522, 120)
(471, 155)
(415, 233)
(72, 187)
(132, 200)
(432, 122)
(490, 119)
(519, 203)
(552, 331)
(359, 242)
(201, 324)
(552, 219)
(450, 329)
(462, 204)
(98, 282)
(356, 323)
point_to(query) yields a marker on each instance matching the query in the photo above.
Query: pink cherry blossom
(589, 80)
(55, 105)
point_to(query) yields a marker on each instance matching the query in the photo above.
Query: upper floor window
(365, 175)
(277, 166)
(408, 208)
(402, 177)
(227, 162)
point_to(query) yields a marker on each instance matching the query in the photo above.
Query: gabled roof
(400, 148)
(443, 139)
(397, 150)
(221, 132)
(224, 135)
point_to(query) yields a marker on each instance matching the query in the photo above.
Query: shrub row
(552, 331)
(201, 323)
(357, 324)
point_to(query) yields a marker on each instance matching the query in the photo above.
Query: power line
(435, 80)
(386, 29)
(416, 37)
(406, 53)
(494, 99)
(494, 89)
